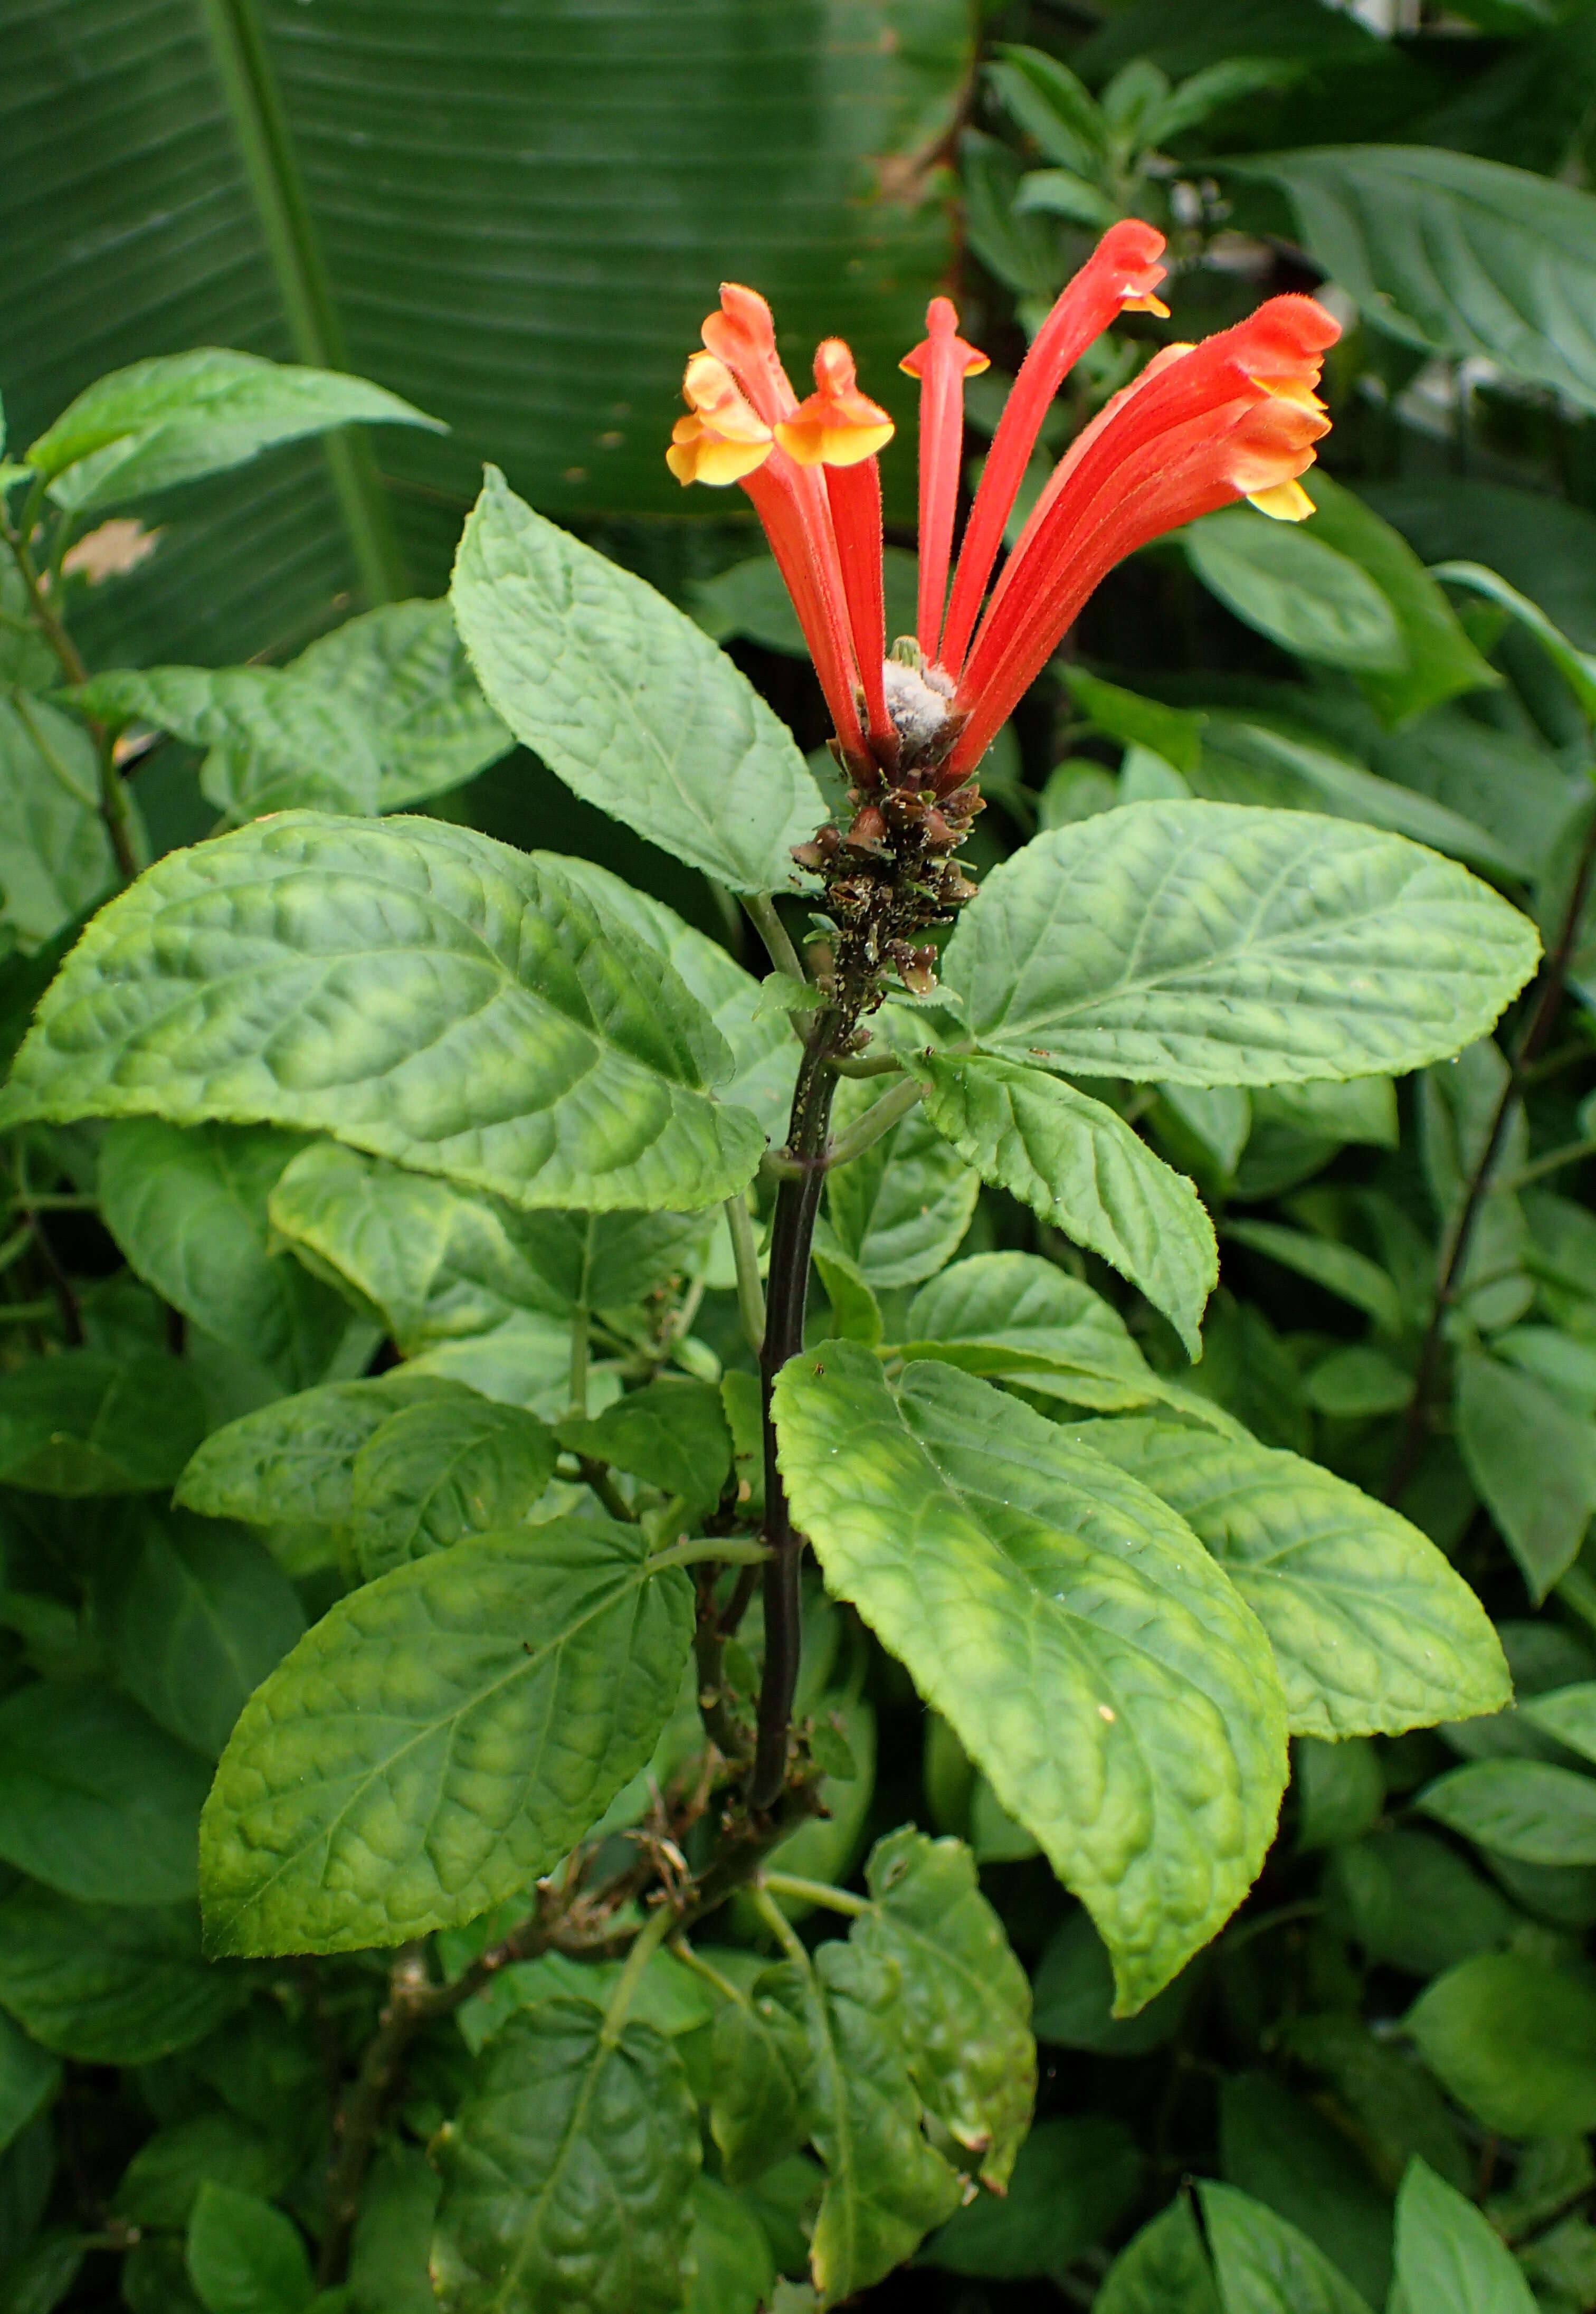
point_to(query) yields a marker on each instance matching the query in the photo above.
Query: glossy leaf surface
(1096, 1664)
(1216, 944)
(440, 1738)
(629, 700)
(416, 989)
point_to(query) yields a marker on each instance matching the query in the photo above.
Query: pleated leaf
(628, 700)
(413, 988)
(1094, 1661)
(1214, 943)
(440, 1739)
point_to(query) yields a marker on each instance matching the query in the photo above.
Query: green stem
(1572, 1153)
(719, 1550)
(879, 1117)
(780, 1927)
(249, 86)
(816, 1892)
(650, 1937)
(578, 1369)
(761, 911)
(744, 1254)
(595, 1477)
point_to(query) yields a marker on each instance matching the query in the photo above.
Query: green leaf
(1386, 2093)
(1450, 2258)
(626, 699)
(1533, 1460)
(81, 1423)
(1072, 1160)
(886, 2186)
(55, 859)
(567, 2172)
(758, 2063)
(1411, 1902)
(1299, 591)
(1441, 659)
(1016, 1315)
(1074, 1997)
(1514, 2041)
(403, 671)
(900, 1210)
(1372, 1632)
(245, 2258)
(1340, 1790)
(397, 1772)
(966, 1999)
(1577, 667)
(1165, 2270)
(1528, 1809)
(1249, 763)
(764, 1055)
(1174, 733)
(393, 2235)
(751, 599)
(275, 744)
(1339, 1269)
(1265, 2264)
(293, 1461)
(415, 989)
(669, 1996)
(1057, 1615)
(110, 1984)
(188, 1207)
(195, 1621)
(729, 2259)
(95, 1799)
(161, 2183)
(855, 1311)
(1051, 105)
(183, 415)
(440, 1471)
(1451, 253)
(671, 1432)
(1499, 780)
(444, 1264)
(28, 2078)
(1568, 1714)
(1075, 2180)
(1211, 944)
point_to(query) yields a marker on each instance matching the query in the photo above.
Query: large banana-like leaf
(514, 213)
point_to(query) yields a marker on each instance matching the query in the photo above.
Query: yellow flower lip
(837, 426)
(722, 437)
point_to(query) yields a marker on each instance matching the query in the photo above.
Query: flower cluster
(1202, 426)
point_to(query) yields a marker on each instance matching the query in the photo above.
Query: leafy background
(515, 217)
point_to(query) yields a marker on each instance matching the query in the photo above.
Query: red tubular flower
(1120, 276)
(840, 430)
(1203, 425)
(942, 364)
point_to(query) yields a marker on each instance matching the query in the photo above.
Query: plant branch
(879, 1117)
(1538, 1026)
(779, 948)
(816, 1892)
(744, 1254)
(595, 1477)
(792, 1233)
